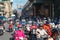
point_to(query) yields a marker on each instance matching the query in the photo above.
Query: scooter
(1, 30)
(19, 38)
(10, 29)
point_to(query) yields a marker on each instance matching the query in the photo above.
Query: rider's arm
(45, 32)
(37, 32)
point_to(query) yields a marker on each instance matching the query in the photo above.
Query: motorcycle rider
(19, 34)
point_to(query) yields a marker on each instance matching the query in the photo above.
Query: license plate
(21, 38)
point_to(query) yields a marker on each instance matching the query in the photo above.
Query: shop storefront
(43, 8)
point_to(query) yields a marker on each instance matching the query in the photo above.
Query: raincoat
(19, 34)
(47, 28)
(10, 26)
(16, 28)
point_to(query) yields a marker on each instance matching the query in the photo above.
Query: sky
(18, 3)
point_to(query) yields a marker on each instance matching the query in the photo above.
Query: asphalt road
(6, 35)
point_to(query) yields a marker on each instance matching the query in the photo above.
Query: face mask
(11, 22)
(17, 22)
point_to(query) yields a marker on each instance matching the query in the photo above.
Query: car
(3, 18)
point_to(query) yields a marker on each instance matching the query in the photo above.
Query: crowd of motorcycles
(23, 23)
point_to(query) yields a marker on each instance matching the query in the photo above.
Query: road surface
(6, 35)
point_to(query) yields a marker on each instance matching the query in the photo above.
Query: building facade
(6, 8)
(43, 8)
(1, 8)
